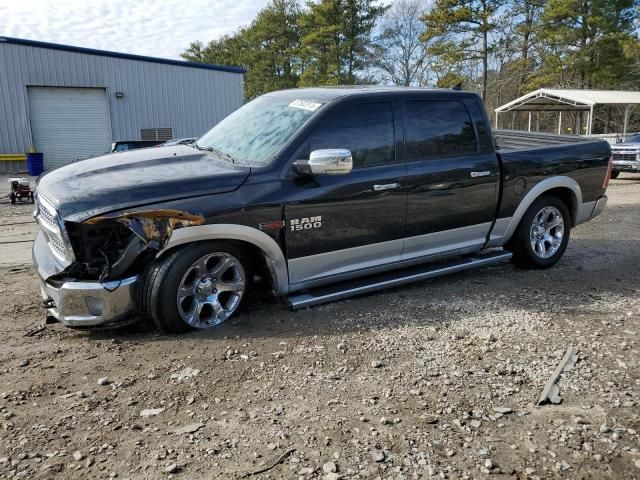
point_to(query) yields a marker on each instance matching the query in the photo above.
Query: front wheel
(615, 174)
(543, 234)
(198, 286)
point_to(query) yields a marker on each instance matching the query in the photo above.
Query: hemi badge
(271, 225)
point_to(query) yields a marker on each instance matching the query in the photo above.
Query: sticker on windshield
(306, 105)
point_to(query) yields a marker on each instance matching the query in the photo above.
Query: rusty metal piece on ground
(266, 469)
(35, 329)
(551, 391)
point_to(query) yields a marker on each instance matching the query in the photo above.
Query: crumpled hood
(139, 177)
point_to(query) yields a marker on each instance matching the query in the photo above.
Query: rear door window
(365, 129)
(438, 128)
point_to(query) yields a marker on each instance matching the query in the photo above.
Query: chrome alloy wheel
(211, 290)
(547, 232)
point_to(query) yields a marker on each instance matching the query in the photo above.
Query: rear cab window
(438, 129)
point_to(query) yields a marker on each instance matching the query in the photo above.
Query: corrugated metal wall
(189, 100)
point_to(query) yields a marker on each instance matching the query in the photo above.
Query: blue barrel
(35, 164)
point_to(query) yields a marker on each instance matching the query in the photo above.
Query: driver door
(339, 226)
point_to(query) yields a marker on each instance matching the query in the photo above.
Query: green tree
(267, 48)
(336, 40)
(589, 43)
(462, 32)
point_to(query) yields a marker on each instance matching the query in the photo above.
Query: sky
(158, 28)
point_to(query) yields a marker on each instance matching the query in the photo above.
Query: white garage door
(69, 124)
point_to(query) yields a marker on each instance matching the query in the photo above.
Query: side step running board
(392, 279)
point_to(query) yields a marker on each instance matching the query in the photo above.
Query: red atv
(20, 189)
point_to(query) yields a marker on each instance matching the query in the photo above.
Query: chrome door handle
(386, 186)
(483, 173)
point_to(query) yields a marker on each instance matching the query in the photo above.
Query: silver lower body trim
(505, 227)
(314, 270)
(600, 204)
(393, 280)
(473, 236)
(332, 264)
(584, 213)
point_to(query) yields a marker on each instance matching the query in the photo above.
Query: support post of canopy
(626, 123)
(560, 123)
(590, 121)
(529, 120)
(497, 113)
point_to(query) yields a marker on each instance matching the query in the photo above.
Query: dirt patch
(438, 378)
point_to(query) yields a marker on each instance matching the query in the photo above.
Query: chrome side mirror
(333, 161)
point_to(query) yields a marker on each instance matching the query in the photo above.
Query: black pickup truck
(314, 194)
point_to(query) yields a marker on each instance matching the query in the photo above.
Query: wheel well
(567, 197)
(255, 255)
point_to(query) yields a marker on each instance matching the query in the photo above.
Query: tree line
(498, 48)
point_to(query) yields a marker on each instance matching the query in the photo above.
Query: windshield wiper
(216, 151)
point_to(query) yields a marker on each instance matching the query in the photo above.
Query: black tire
(157, 293)
(524, 254)
(615, 174)
(12, 196)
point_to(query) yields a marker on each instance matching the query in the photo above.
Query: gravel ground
(437, 379)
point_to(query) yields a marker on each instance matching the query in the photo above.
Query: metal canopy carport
(559, 100)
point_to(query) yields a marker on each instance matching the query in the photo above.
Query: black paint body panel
(353, 214)
(135, 178)
(586, 163)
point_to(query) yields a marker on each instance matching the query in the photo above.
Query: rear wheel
(615, 174)
(198, 286)
(12, 197)
(543, 234)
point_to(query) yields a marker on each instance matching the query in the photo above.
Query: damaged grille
(98, 247)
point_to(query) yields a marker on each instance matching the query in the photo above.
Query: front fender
(273, 255)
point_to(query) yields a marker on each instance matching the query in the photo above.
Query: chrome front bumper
(625, 166)
(81, 303)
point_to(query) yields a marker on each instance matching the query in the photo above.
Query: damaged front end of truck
(90, 270)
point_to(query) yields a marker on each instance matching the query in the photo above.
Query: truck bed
(508, 140)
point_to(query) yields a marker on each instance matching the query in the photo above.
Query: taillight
(608, 176)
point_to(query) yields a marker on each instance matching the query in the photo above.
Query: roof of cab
(332, 93)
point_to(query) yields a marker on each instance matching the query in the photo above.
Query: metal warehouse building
(71, 103)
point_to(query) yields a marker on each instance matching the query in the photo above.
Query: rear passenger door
(355, 221)
(452, 175)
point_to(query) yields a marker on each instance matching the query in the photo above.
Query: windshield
(254, 134)
(633, 139)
